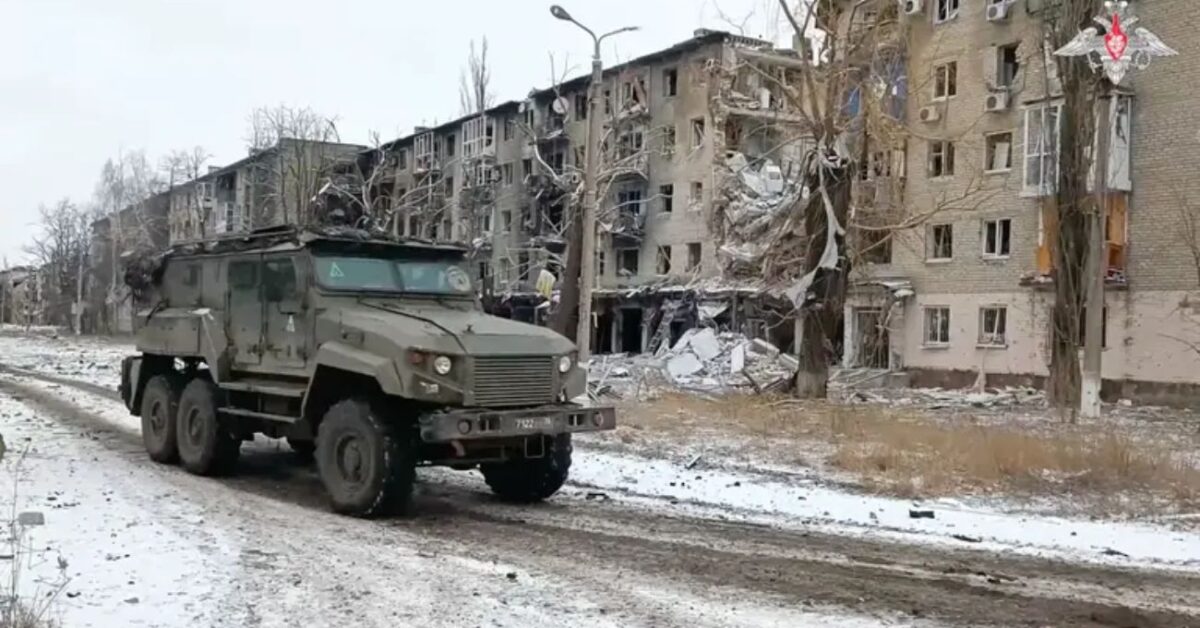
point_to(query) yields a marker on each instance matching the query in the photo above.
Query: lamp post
(587, 257)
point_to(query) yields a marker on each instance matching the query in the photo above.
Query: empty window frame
(663, 265)
(940, 242)
(667, 194)
(993, 326)
(998, 153)
(627, 261)
(694, 256)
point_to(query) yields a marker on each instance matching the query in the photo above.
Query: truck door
(286, 317)
(245, 310)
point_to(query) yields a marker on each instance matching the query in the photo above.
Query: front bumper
(471, 424)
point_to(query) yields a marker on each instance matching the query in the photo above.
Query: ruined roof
(702, 37)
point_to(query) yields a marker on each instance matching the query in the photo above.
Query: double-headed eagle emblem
(1119, 48)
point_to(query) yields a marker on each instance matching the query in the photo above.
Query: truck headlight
(442, 365)
(564, 364)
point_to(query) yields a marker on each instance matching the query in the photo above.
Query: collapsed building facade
(507, 181)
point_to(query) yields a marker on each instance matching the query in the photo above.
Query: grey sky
(83, 79)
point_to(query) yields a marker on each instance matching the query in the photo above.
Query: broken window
(668, 142)
(523, 266)
(945, 10)
(581, 106)
(941, 158)
(629, 201)
(451, 143)
(529, 115)
(876, 246)
(694, 256)
(402, 195)
(506, 220)
(667, 192)
(1007, 65)
(607, 102)
(629, 145)
(697, 132)
(993, 326)
(997, 237)
(945, 80)
(670, 82)
(998, 153)
(937, 326)
(600, 263)
(697, 195)
(941, 242)
(557, 161)
(510, 129)
(506, 171)
(526, 168)
(627, 262)
(664, 260)
(402, 159)
(1042, 128)
(449, 182)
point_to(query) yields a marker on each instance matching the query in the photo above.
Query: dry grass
(911, 452)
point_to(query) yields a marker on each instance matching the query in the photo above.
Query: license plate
(534, 423)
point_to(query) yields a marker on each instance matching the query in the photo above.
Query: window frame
(667, 192)
(993, 340)
(932, 243)
(1047, 159)
(670, 82)
(953, 8)
(947, 154)
(949, 82)
(997, 240)
(988, 139)
(930, 315)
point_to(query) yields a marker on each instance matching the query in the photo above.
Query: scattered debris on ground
(702, 360)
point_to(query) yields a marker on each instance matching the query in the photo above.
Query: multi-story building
(506, 179)
(275, 186)
(971, 288)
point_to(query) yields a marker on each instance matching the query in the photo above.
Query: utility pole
(595, 128)
(1115, 52)
(1097, 266)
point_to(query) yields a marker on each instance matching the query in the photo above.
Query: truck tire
(205, 446)
(160, 407)
(367, 464)
(530, 480)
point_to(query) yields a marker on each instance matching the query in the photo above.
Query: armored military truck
(370, 354)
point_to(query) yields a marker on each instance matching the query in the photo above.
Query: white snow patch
(803, 501)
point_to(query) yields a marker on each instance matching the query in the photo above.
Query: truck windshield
(390, 275)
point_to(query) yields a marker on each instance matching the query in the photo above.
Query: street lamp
(587, 248)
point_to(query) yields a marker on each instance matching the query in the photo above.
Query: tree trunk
(819, 316)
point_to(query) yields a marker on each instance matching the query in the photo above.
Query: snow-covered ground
(149, 545)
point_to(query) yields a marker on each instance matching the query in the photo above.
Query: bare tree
(61, 249)
(474, 89)
(299, 148)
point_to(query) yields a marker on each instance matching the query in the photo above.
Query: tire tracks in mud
(609, 551)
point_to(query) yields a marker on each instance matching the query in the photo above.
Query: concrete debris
(852, 391)
(701, 360)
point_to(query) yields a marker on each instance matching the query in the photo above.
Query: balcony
(627, 228)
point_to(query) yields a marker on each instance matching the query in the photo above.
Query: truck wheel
(368, 466)
(529, 480)
(205, 446)
(160, 405)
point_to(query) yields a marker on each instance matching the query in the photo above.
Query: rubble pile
(939, 398)
(702, 359)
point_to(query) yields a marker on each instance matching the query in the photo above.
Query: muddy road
(593, 560)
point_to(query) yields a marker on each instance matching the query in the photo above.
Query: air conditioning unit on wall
(929, 114)
(912, 7)
(996, 101)
(998, 12)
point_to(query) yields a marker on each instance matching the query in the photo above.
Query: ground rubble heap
(701, 359)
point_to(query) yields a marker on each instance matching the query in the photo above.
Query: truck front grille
(514, 381)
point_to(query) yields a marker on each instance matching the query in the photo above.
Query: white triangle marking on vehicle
(291, 326)
(334, 271)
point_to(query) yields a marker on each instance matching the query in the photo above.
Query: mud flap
(131, 390)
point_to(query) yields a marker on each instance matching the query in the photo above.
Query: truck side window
(279, 279)
(243, 275)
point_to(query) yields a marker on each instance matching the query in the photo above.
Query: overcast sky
(83, 79)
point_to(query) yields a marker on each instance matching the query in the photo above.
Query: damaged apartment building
(507, 180)
(967, 292)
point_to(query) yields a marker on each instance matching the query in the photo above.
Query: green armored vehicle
(373, 355)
